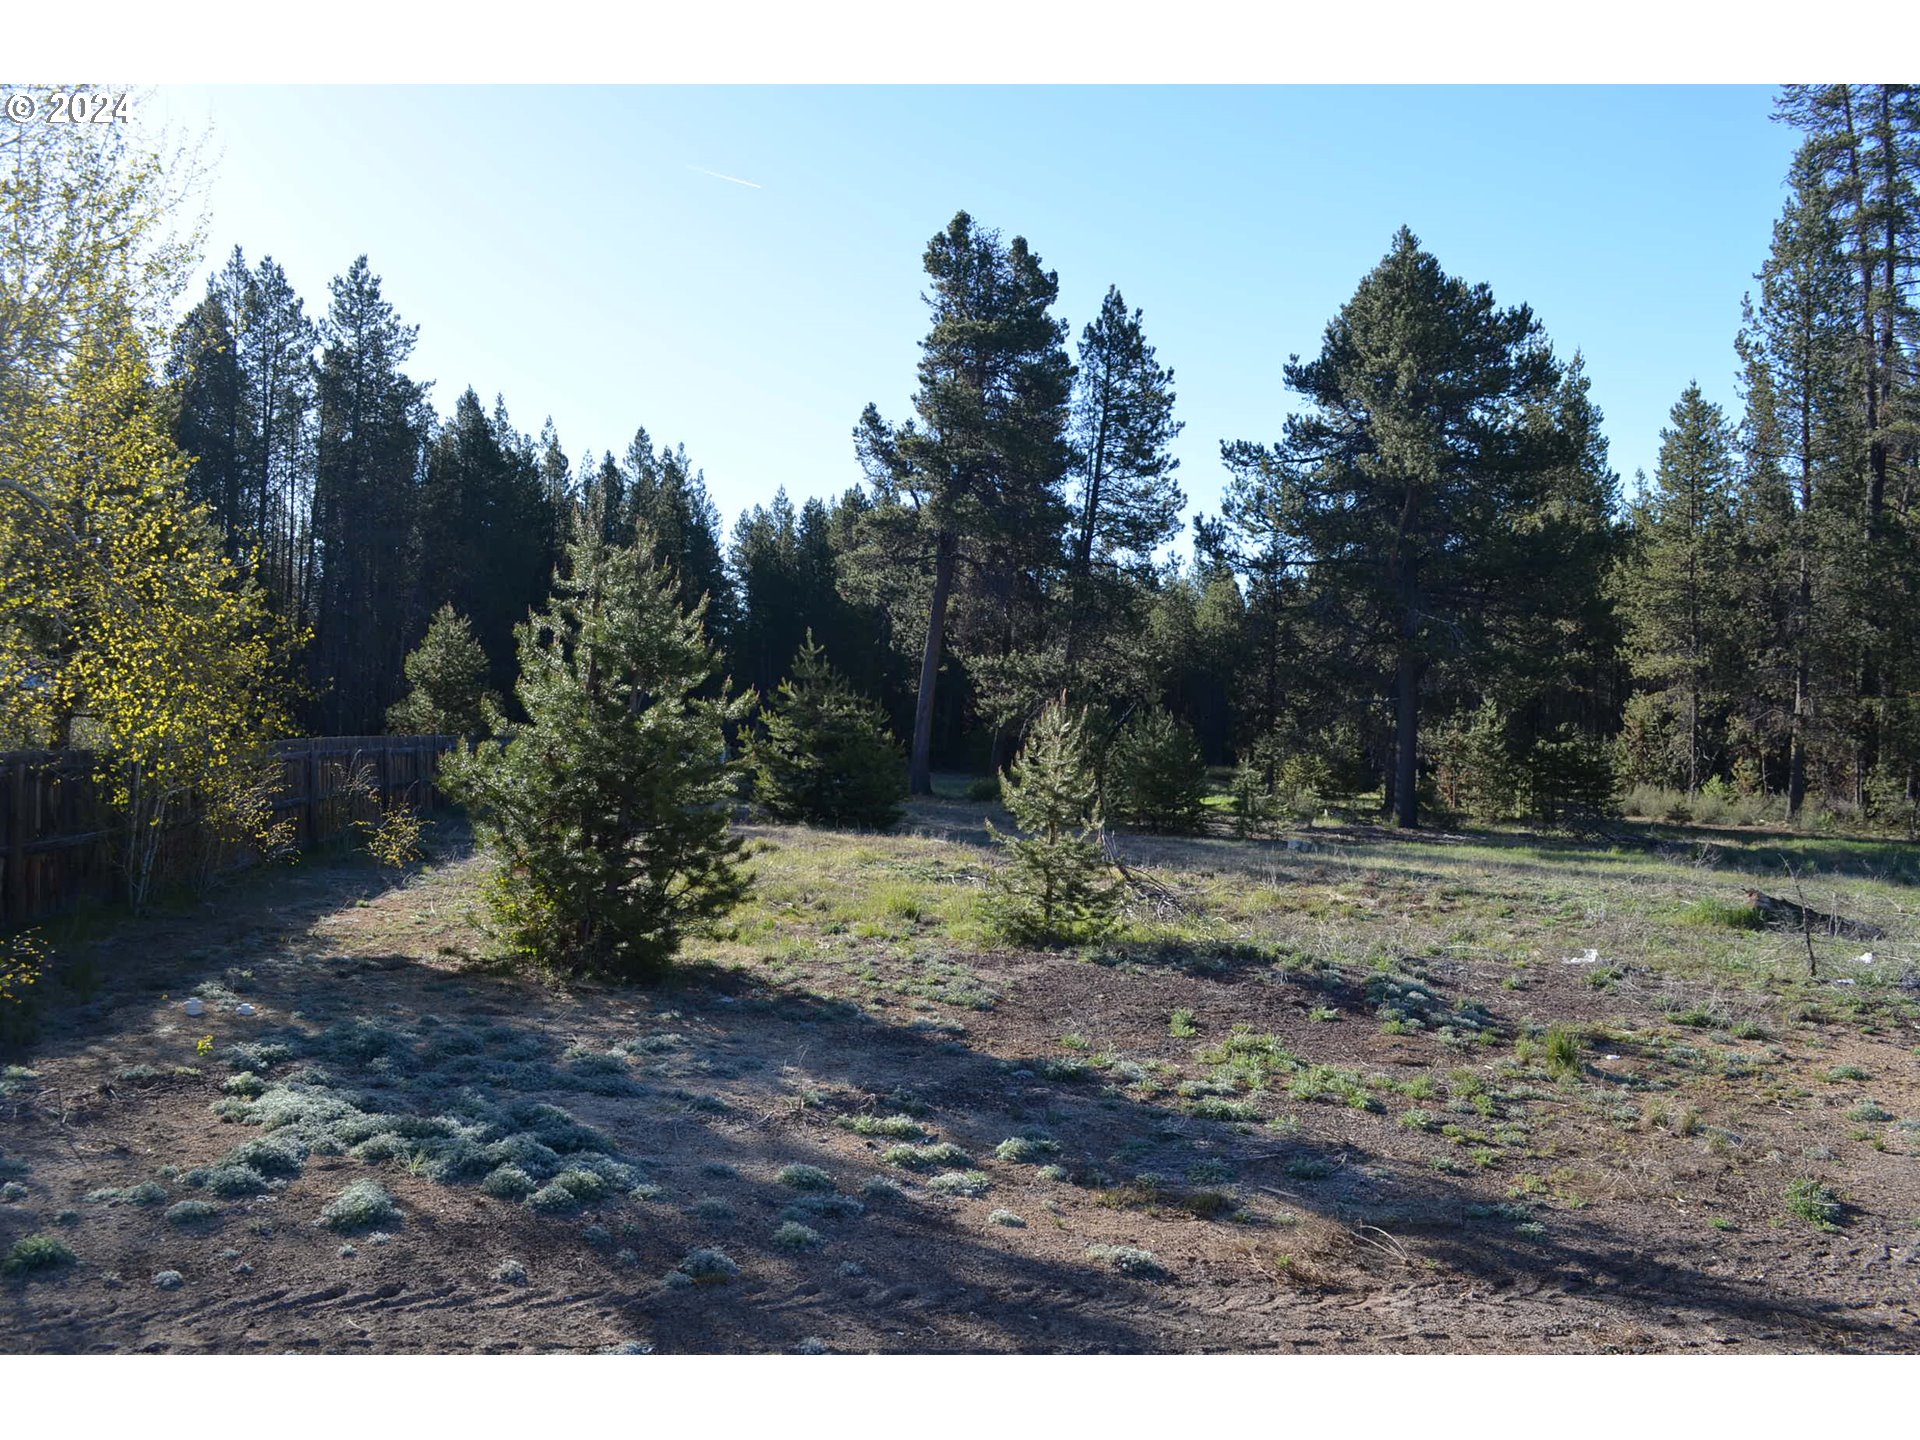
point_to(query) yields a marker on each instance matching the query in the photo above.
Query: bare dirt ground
(1295, 1112)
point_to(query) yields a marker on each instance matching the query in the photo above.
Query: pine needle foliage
(608, 812)
(1055, 886)
(825, 756)
(448, 675)
(1156, 778)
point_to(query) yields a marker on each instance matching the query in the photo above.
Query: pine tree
(826, 756)
(666, 497)
(448, 673)
(1796, 484)
(1054, 887)
(486, 527)
(1155, 778)
(373, 424)
(1679, 587)
(976, 481)
(1429, 483)
(607, 813)
(1125, 502)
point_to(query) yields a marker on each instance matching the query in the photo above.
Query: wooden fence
(57, 841)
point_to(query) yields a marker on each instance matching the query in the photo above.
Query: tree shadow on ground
(931, 1275)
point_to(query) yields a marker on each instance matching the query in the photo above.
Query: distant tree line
(1430, 587)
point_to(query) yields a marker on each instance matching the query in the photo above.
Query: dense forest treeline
(1430, 586)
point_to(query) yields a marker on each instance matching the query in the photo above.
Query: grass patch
(1814, 1201)
(35, 1254)
(1712, 912)
(1561, 1053)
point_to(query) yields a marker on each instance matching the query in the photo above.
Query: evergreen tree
(1796, 485)
(1679, 587)
(1858, 172)
(607, 812)
(976, 480)
(1426, 484)
(667, 498)
(1054, 887)
(825, 756)
(373, 423)
(448, 673)
(241, 369)
(1125, 503)
(1154, 776)
(486, 528)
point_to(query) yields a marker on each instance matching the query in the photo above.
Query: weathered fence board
(56, 837)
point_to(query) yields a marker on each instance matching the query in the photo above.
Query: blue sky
(567, 248)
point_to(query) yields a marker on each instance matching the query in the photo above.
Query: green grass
(34, 1254)
(1561, 1053)
(1714, 913)
(1815, 1202)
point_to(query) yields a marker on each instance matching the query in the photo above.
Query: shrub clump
(508, 1182)
(1055, 886)
(229, 1182)
(708, 1267)
(792, 1235)
(805, 1177)
(510, 1272)
(361, 1206)
(825, 755)
(960, 1182)
(1026, 1149)
(1128, 1259)
(553, 1199)
(925, 1157)
(189, 1212)
(35, 1253)
(608, 813)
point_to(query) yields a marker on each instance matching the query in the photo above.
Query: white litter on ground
(196, 1007)
(1590, 957)
(243, 1009)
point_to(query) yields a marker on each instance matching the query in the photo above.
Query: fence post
(13, 904)
(313, 793)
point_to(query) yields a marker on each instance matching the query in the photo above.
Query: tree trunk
(920, 767)
(1406, 797)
